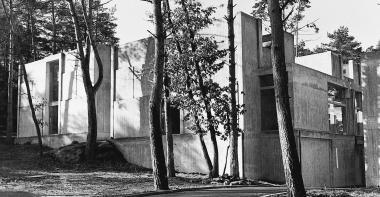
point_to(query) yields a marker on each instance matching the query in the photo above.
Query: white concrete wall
(321, 62)
(72, 103)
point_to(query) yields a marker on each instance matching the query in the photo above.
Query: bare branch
(285, 4)
(289, 14)
(151, 33)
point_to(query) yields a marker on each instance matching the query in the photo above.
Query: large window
(53, 77)
(268, 104)
(337, 109)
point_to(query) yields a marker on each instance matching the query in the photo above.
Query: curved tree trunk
(31, 106)
(90, 151)
(157, 151)
(292, 168)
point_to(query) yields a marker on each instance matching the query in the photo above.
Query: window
(53, 68)
(268, 103)
(174, 120)
(358, 113)
(336, 109)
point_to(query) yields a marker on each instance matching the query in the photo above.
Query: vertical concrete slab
(370, 84)
(249, 55)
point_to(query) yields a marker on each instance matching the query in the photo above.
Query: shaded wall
(370, 75)
(188, 156)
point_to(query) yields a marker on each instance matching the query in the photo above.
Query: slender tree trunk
(290, 159)
(234, 162)
(157, 151)
(36, 125)
(169, 136)
(191, 96)
(54, 27)
(10, 76)
(90, 89)
(215, 162)
(32, 31)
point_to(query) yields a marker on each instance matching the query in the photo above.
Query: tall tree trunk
(157, 151)
(54, 27)
(169, 136)
(215, 162)
(10, 76)
(191, 96)
(90, 89)
(36, 125)
(90, 150)
(290, 159)
(234, 162)
(32, 31)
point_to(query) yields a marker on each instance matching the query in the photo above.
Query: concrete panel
(320, 62)
(131, 118)
(188, 156)
(26, 124)
(262, 157)
(134, 69)
(56, 141)
(315, 162)
(343, 156)
(74, 116)
(310, 99)
(103, 95)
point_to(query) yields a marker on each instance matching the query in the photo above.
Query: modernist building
(325, 104)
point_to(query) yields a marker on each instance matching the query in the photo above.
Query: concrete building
(325, 104)
(371, 122)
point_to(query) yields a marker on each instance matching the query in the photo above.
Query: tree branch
(289, 14)
(285, 4)
(93, 44)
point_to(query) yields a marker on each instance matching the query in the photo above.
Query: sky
(362, 17)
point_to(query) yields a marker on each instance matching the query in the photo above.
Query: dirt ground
(23, 170)
(349, 192)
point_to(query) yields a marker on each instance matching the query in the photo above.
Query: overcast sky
(362, 17)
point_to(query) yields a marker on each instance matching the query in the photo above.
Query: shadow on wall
(135, 74)
(371, 85)
(188, 156)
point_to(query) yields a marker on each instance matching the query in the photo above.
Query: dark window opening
(53, 80)
(174, 122)
(53, 119)
(53, 68)
(266, 80)
(268, 110)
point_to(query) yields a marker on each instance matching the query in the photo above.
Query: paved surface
(233, 192)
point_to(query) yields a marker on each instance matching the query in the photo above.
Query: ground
(24, 173)
(347, 192)
(22, 169)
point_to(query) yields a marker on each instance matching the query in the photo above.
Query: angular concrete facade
(329, 140)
